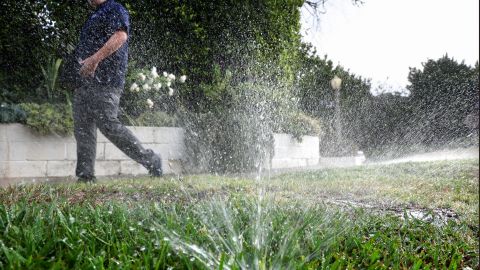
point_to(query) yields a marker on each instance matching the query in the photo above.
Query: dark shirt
(108, 18)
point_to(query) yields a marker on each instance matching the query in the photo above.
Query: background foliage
(443, 94)
(185, 37)
(11, 113)
(224, 47)
(49, 118)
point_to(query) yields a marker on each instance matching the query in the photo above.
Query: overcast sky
(382, 38)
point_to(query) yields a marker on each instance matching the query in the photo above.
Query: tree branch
(316, 4)
(316, 8)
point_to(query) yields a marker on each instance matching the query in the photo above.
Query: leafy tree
(48, 29)
(443, 93)
(386, 125)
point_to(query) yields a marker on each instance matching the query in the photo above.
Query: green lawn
(403, 216)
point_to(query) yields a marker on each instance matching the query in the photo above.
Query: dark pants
(98, 107)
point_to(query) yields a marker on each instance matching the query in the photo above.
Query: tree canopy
(444, 93)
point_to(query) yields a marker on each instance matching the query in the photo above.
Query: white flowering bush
(155, 88)
(149, 91)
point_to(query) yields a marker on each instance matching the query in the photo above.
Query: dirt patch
(437, 216)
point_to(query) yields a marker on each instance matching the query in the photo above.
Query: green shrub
(217, 142)
(8, 94)
(49, 118)
(11, 114)
(238, 135)
(150, 89)
(299, 124)
(156, 119)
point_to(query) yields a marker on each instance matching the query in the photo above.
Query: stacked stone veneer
(24, 154)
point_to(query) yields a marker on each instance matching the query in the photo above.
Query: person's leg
(106, 117)
(85, 134)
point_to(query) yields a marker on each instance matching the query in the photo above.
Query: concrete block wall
(24, 154)
(290, 153)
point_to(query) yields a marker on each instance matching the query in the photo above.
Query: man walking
(102, 56)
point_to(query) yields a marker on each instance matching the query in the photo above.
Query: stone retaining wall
(24, 154)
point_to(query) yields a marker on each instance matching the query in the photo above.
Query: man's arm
(89, 65)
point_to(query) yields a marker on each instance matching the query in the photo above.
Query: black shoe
(155, 166)
(87, 179)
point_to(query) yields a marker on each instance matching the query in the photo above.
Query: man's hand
(89, 66)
